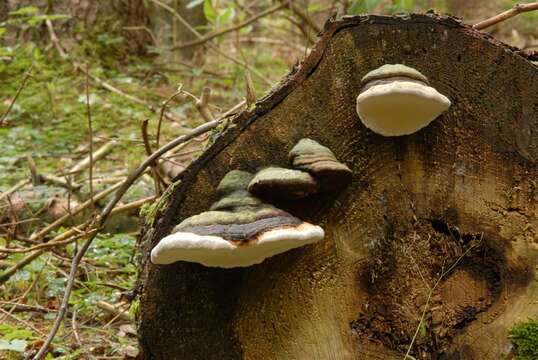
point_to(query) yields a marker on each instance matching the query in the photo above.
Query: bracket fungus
(397, 100)
(238, 230)
(282, 183)
(321, 163)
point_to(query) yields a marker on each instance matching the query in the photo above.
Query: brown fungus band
(238, 230)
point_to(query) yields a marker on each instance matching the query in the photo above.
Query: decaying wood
(465, 185)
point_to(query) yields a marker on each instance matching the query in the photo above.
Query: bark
(416, 204)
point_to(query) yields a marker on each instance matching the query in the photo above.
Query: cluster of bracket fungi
(242, 228)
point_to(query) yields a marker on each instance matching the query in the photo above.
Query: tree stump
(453, 204)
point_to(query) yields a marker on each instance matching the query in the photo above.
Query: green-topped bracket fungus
(397, 100)
(238, 230)
(321, 163)
(430, 241)
(281, 183)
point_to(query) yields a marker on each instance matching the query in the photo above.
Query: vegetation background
(80, 77)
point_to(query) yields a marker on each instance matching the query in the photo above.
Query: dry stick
(443, 274)
(90, 134)
(40, 234)
(100, 220)
(209, 45)
(64, 238)
(147, 147)
(163, 110)
(228, 29)
(58, 181)
(19, 307)
(517, 9)
(93, 157)
(121, 313)
(19, 90)
(75, 328)
(33, 170)
(55, 40)
(26, 323)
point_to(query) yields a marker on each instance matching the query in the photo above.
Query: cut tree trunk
(461, 193)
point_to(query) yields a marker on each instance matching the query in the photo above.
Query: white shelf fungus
(397, 100)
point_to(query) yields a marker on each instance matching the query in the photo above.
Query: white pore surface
(400, 107)
(215, 251)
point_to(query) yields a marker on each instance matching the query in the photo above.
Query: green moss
(525, 338)
(149, 211)
(134, 309)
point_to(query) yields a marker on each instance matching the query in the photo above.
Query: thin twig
(163, 111)
(25, 323)
(55, 39)
(100, 220)
(19, 90)
(228, 29)
(56, 224)
(147, 147)
(90, 135)
(75, 328)
(516, 10)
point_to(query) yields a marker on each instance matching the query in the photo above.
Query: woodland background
(80, 77)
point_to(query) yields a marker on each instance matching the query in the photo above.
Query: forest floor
(47, 118)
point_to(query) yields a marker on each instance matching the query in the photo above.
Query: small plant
(525, 338)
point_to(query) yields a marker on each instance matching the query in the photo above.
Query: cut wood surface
(461, 192)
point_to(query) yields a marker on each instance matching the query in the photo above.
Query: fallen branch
(101, 219)
(19, 90)
(114, 310)
(18, 307)
(228, 29)
(56, 224)
(516, 10)
(92, 158)
(69, 236)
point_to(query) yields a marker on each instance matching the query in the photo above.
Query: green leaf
(25, 11)
(2, 31)
(193, 4)
(14, 345)
(209, 11)
(226, 16)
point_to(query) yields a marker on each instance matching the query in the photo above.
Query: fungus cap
(283, 183)
(213, 250)
(239, 230)
(320, 161)
(397, 100)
